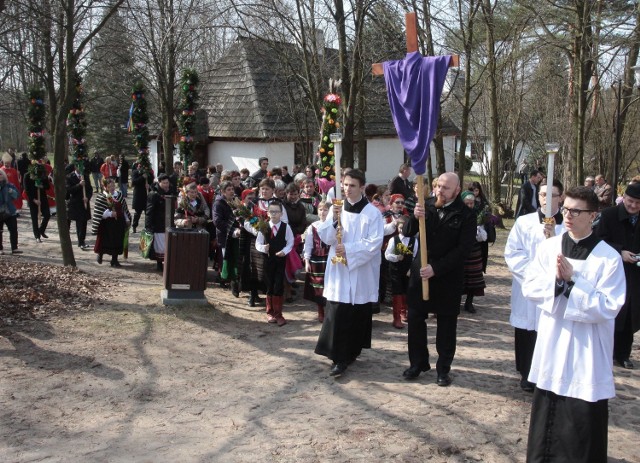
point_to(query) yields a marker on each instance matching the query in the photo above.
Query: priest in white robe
(577, 281)
(525, 236)
(350, 288)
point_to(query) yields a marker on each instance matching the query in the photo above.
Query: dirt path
(131, 380)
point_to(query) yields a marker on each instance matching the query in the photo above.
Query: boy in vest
(276, 244)
(400, 253)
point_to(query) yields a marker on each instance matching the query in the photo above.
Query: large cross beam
(378, 70)
(412, 44)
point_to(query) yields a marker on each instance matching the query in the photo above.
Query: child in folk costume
(276, 243)
(400, 252)
(315, 262)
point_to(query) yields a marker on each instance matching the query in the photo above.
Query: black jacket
(616, 230)
(154, 219)
(76, 209)
(449, 242)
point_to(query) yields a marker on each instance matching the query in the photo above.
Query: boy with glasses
(577, 282)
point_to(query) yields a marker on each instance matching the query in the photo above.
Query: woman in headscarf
(111, 218)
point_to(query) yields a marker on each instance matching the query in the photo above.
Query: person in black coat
(451, 234)
(141, 181)
(528, 197)
(78, 208)
(618, 226)
(400, 184)
(123, 175)
(154, 220)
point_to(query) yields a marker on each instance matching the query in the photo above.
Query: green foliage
(330, 124)
(186, 120)
(138, 119)
(77, 128)
(36, 120)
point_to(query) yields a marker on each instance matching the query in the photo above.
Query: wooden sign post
(378, 70)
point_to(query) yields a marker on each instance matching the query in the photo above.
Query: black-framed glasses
(574, 212)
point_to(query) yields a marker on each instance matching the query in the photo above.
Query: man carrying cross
(414, 86)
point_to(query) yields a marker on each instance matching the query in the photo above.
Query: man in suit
(400, 184)
(528, 198)
(451, 234)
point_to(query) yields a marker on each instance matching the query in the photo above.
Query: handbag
(146, 243)
(4, 207)
(4, 213)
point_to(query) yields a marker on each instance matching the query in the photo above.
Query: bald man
(451, 233)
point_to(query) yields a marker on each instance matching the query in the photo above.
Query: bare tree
(61, 33)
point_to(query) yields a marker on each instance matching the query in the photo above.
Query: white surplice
(574, 348)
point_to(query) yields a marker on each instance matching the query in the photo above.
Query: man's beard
(439, 202)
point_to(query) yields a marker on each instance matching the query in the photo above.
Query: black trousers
(525, 342)
(567, 430)
(274, 275)
(136, 218)
(446, 327)
(12, 226)
(623, 340)
(81, 230)
(39, 228)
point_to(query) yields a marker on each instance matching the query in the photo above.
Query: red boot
(320, 313)
(271, 314)
(397, 309)
(405, 309)
(277, 308)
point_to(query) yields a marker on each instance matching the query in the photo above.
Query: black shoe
(628, 364)
(234, 289)
(527, 386)
(414, 372)
(16, 251)
(470, 308)
(133, 229)
(116, 264)
(444, 380)
(159, 266)
(43, 235)
(337, 369)
(38, 240)
(84, 246)
(252, 301)
(99, 259)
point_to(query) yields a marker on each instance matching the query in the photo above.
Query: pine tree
(110, 76)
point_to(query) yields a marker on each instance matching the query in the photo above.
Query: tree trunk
(494, 171)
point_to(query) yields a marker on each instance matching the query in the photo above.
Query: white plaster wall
(238, 155)
(385, 155)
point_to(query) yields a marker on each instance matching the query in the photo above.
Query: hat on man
(633, 190)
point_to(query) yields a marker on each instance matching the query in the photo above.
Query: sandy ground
(131, 380)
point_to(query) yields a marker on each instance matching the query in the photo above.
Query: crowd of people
(574, 305)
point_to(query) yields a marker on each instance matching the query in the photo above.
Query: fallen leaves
(31, 291)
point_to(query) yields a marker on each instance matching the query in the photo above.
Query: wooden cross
(378, 70)
(412, 44)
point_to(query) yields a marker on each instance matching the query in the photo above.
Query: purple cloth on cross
(414, 87)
